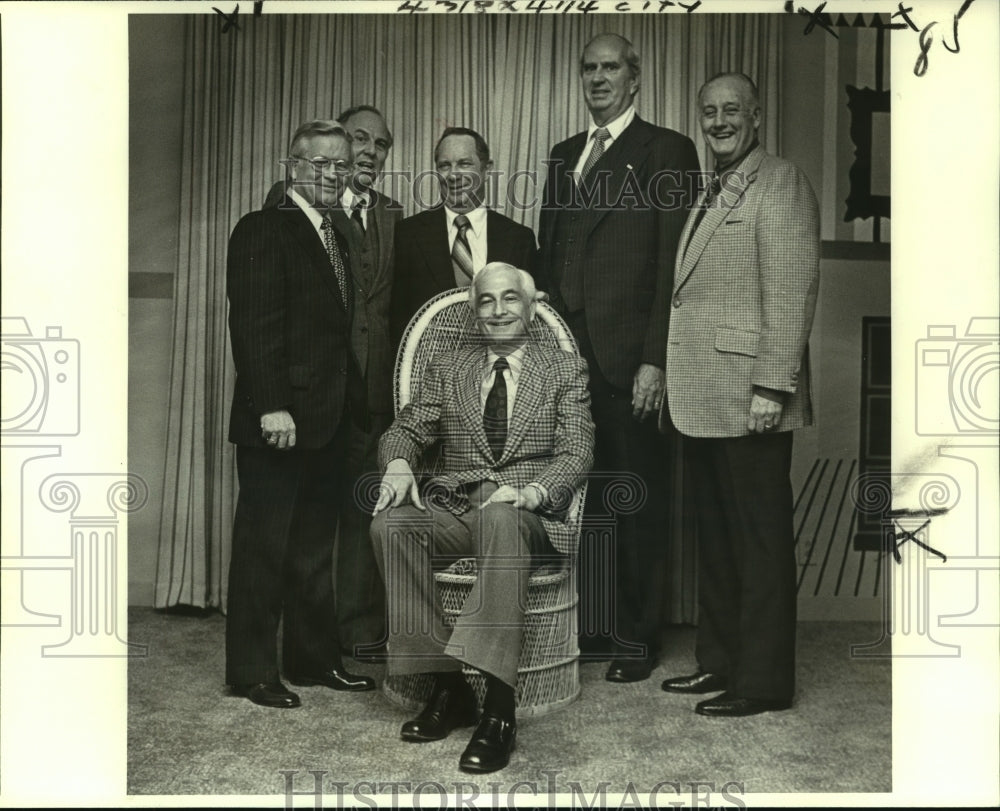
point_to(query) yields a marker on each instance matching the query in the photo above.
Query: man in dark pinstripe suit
(298, 391)
(615, 201)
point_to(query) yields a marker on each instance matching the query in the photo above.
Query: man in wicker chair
(513, 418)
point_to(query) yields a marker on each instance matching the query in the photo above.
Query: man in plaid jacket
(514, 422)
(737, 365)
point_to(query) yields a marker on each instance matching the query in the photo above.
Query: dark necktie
(495, 413)
(600, 136)
(714, 190)
(336, 260)
(356, 217)
(461, 253)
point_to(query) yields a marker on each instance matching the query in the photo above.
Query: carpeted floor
(186, 735)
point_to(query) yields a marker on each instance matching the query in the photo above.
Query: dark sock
(450, 680)
(499, 699)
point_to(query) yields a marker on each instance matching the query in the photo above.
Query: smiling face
(729, 118)
(370, 146)
(461, 172)
(321, 169)
(607, 79)
(503, 307)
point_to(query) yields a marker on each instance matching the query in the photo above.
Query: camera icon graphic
(41, 381)
(958, 379)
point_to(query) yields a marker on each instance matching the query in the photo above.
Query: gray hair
(316, 128)
(527, 283)
(628, 51)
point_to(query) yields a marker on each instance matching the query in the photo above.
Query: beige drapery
(511, 77)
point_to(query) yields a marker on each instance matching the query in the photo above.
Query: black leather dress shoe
(447, 709)
(696, 683)
(336, 678)
(730, 706)
(627, 670)
(490, 747)
(269, 694)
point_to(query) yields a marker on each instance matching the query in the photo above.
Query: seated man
(502, 497)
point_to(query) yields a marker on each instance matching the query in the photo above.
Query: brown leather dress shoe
(490, 747)
(336, 678)
(729, 706)
(699, 682)
(268, 694)
(447, 709)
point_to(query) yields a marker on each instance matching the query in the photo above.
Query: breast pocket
(737, 341)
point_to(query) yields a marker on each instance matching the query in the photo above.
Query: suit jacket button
(677, 302)
(342, 370)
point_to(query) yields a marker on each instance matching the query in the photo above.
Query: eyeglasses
(323, 165)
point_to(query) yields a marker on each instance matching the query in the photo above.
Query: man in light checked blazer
(737, 374)
(510, 464)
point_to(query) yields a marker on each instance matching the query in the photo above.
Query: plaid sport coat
(550, 438)
(745, 285)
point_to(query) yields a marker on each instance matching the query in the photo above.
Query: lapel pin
(628, 166)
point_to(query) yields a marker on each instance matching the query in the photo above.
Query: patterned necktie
(461, 253)
(359, 206)
(495, 413)
(333, 251)
(714, 190)
(600, 136)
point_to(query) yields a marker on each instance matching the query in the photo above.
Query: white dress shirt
(476, 235)
(615, 128)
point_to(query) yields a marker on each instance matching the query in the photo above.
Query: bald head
(609, 75)
(729, 113)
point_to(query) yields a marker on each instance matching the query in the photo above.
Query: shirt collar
(314, 215)
(615, 127)
(351, 197)
(476, 217)
(515, 360)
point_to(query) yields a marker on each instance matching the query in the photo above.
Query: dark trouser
(746, 548)
(282, 562)
(622, 612)
(360, 592)
(410, 543)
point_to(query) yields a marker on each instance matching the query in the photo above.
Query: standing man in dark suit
(445, 246)
(616, 198)
(298, 393)
(366, 219)
(737, 386)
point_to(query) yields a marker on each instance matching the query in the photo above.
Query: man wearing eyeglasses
(366, 219)
(299, 393)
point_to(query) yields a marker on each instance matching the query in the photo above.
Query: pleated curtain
(514, 78)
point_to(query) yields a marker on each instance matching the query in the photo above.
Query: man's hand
(765, 414)
(647, 391)
(278, 429)
(398, 484)
(527, 498)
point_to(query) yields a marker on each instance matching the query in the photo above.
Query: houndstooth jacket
(550, 438)
(745, 285)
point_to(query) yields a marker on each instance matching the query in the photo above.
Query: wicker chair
(548, 673)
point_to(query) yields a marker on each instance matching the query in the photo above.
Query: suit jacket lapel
(469, 382)
(305, 235)
(529, 396)
(626, 155)
(734, 192)
(434, 245)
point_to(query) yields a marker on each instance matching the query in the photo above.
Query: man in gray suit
(366, 219)
(737, 385)
(514, 422)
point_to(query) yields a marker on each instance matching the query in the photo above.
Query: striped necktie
(600, 136)
(461, 253)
